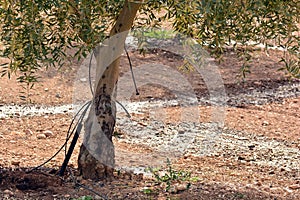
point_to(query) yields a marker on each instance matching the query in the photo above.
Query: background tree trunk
(97, 158)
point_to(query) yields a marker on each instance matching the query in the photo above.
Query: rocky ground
(253, 153)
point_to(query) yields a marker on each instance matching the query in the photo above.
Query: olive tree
(36, 34)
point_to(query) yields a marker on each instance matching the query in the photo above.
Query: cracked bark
(97, 157)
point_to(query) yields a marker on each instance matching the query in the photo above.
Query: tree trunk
(97, 158)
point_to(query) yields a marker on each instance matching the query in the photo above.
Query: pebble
(251, 147)
(178, 187)
(277, 189)
(181, 131)
(8, 192)
(41, 136)
(288, 190)
(181, 186)
(143, 123)
(258, 183)
(83, 79)
(29, 132)
(15, 163)
(48, 133)
(265, 123)
(295, 187)
(258, 83)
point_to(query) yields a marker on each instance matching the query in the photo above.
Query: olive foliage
(36, 34)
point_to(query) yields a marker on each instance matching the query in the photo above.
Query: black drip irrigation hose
(78, 126)
(69, 135)
(74, 141)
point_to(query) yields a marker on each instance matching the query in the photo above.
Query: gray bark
(97, 157)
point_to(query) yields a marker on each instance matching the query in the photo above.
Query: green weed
(172, 176)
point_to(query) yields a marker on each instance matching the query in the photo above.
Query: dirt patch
(56, 87)
(233, 175)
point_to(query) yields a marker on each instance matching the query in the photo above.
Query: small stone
(265, 123)
(241, 158)
(285, 169)
(251, 147)
(8, 192)
(48, 133)
(84, 182)
(258, 183)
(143, 123)
(295, 187)
(276, 189)
(46, 89)
(13, 141)
(288, 190)
(258, 83)
(41, 136)
(181, 186)
(58, 96)
(83, 79)
(67, 196)
(181, 131)
(28, 132)
(178, 187)
(15, 163)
